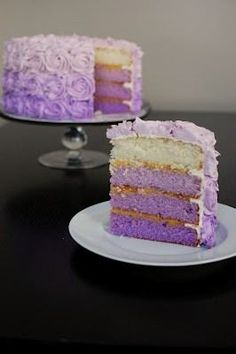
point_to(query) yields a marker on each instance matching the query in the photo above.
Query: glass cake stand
(74, 156)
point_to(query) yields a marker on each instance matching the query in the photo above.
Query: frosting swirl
(13, 103)
(79, 109)
(80, 86)
(34, 106)
(56, 60)
(31, 84)
(81, 60)
(55, 110)
(54, 87)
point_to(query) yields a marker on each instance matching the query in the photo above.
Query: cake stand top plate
(99, 118)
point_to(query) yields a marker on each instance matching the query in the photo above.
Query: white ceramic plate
(88, 228)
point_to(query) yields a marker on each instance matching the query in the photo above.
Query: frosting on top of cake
(62, 52)
(183, 130)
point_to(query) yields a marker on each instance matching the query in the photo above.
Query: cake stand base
(71, 160)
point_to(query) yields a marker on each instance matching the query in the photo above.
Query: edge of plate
(137, 262)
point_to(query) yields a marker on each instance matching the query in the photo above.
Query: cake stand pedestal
(74, 156)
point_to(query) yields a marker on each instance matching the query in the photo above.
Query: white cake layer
(163, 151)
(113, 56)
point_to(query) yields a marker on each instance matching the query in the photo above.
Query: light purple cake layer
(109, 108)
(116, 90)
(149, 230)
(158, 204)
(110, 74)
(166, 180)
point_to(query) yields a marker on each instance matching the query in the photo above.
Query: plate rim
(88, 245)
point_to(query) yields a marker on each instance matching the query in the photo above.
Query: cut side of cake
(71, 77)
(163, 182)
(118, 76)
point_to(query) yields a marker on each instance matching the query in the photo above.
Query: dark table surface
(54, 291)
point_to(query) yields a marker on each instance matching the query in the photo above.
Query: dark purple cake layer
(108, 107)
(156, 231)
(165, 206)
(163, 179)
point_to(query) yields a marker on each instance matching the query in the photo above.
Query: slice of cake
(71, 77)
(163, 182)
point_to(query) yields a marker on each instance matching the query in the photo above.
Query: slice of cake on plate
(163, 182)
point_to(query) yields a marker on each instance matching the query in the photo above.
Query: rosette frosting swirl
(13, 103)
(79, 109)
(55, 110)
(34, 106)
(56, 60)
(54, 87)
(82, 60)
(31, 84)
(80, 86)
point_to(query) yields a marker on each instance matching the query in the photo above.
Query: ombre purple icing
(189, 132)
(143, 177)
(157, 204)
(49, 96)
(123, 225)
(29, 60)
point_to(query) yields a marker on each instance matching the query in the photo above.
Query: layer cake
(163, 182)
(71, 77)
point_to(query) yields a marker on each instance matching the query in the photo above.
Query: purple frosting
(69, 63)
(48, 95)
(208, 230)
(34, 106)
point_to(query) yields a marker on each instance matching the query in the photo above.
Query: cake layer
(166, 151)
(112, 89)
(166, 180)
(159, 204)
(111, 107)
(112, 73)
(150, 230)
(113, 56)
